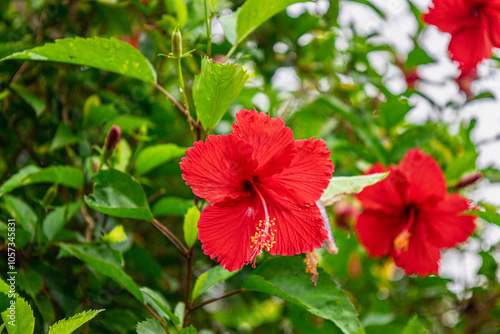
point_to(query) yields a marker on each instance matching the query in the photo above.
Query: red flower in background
(474, 26)
(410, 217)
(262, 185)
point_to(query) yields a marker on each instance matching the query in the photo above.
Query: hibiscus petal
(307, 176)
(493, 14)
(376, 168)
(272, 141)
(387, 195)
(225, 231)
(471, 44)
(377, 230)
(299, 227)
(421, 257)
(426, 179)
(448, 15)
(218, 168)
(445, 223)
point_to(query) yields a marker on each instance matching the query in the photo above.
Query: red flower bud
(113, 137)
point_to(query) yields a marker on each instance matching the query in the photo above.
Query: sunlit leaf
(341, 186)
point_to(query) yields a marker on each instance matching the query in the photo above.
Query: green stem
(208, 23)
(230, 53)
(184, 96)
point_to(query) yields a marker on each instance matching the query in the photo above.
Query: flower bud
(176, 43)
(113, 137)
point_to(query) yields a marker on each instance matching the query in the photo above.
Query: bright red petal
(376, 231)
(307, 176)
(421, 258)
(448, 15)
(272, 141)
(225, 231)
(376, 168)
(426, 179)
(493, 14)
(387, 195)
(299, 227)
(446, 225)
(218, 168)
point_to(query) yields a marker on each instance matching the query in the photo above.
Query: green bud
(177, 43)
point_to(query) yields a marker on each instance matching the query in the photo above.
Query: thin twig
(170, 236)
(187, 294)
(230, 53)
(157, 317)
(90, 223)
(228, 294)
(178, 105)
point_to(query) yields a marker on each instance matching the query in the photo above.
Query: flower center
(403, 238)
(264, 232)
(477, 9)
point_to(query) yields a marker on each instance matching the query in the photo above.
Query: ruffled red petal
(493, 15)
(448, 15)
(218, 168)
(421, 257)
(446, 225)
(272, 141)
(426, 181)
(299, 227)
(387, 195)
(376, 168)
(225, 231)
(377, 231)
(307, 176)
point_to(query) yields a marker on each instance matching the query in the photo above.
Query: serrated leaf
(189, 330)
(107, 54)
(22, 212)
(191, 225)
(255, 12)
(171, 206)
(105, 268)
(68, 326)
(155, 156)
(341, 186)
(214, 89)
(285, 277)
(150, 326)
(160, 303)
(55, 220)
(63, 175)
(23, 321)
(414, 327)
(209, 278)
(118, 194)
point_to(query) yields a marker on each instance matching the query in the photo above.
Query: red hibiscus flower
(410, 217)
(474, 26)
(262, 185)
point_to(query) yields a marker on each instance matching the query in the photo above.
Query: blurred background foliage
(308, 70)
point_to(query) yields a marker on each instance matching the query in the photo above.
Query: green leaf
(117, 234)
(285, 277)
(209, 278)
(22, 212)
(155, 156)
(191, 225)
(29, 281)
(414, 327)
(23, 321)
(160, 303)
(106, 54)
(118, 194)
(418, 57)
(150, 326)
(34, 101)
(255, 12)
(57, 218)
(63, 175)
(214, 89)
(393, 111)
(492, 174)
(489, 216)
(68, 326)
(189, 330)
(105, 268)
(171, 206)
(341, 186)
(64, 137)
(460, 165)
